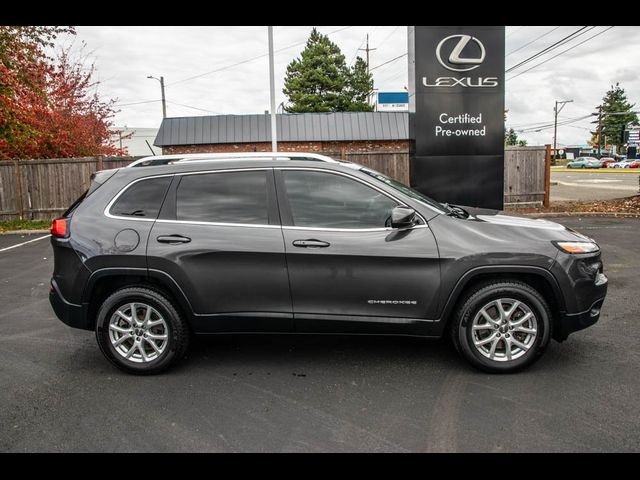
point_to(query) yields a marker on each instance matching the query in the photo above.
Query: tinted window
(237, 197)
(142, 199)
(325, 200)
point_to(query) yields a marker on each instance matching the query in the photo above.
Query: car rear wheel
(502, 327)
(140, 331)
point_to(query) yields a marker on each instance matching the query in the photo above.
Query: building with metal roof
(319, 132)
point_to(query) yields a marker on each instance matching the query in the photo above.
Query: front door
(220, 240)
(348, 271)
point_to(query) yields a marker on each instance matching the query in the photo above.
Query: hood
(530, 227)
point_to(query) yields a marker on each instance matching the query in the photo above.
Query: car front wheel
(502, 327)
(140, 331)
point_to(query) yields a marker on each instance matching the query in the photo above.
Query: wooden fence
(527, 174)
(43, 189)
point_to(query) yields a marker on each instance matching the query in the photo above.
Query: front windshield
(414, 194)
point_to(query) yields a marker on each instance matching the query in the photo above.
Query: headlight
(577, 247)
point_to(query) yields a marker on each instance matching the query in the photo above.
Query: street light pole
(555, 126)
(164, 102)
(272, 87)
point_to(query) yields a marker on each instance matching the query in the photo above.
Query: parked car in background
(635, 164)
(584, 162)
(622, 164)
(606, 161)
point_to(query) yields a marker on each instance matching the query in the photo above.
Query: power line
(366, 39)
(532, 41)
(388, 36)
(193, 108)
(135, 103)
(564, 51)
(548, 49)
(389, 61)
(515, 31)
(551, 125)
(242, 62)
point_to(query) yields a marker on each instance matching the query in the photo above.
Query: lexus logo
(456, 62)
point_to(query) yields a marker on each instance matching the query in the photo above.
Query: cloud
(125, 56)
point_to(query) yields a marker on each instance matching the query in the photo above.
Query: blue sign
(393, 97)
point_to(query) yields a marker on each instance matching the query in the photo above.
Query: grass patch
(8, 225)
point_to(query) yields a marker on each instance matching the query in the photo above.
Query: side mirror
(403, 217)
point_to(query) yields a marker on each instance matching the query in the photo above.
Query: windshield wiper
(456, 211)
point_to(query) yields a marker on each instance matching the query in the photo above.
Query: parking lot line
(23, 243)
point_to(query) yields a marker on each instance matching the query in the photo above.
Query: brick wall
(335, 148)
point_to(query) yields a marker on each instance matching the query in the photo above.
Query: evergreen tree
(613, 126)
(360, 87)
(321, 81)
(510, 137)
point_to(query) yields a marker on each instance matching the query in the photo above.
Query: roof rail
(257, 155)
(210, 157)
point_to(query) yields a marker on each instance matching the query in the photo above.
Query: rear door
(219, 238)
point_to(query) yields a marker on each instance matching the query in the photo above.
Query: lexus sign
(456, 82)
(456, 62)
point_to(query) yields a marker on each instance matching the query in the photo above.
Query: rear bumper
(73, 315)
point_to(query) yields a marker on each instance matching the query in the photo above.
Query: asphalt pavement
(597, 184)
(317, 393)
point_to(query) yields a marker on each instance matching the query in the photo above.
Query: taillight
(60, 227)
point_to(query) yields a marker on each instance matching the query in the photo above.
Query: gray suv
(302, 243)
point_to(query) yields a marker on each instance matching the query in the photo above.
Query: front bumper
(572, 322)
(73, 315)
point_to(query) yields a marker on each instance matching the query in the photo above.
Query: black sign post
(456, 104)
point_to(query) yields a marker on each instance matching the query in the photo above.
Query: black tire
(461, 326)
(178, 331)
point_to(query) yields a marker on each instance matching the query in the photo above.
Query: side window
(143, 199)
(326, 200)
(233, 197)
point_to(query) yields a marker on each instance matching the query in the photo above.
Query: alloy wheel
(504, 329)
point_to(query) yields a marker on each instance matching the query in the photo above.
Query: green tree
(320, 80)
(510, 137)
(360, 86)
(614, 102)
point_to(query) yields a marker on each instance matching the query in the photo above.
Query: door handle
(310, 243)
(173, 239)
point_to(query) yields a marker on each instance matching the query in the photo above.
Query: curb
(23, 232)
(596, 170)
(580, 214)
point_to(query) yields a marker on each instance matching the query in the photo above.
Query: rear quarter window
(142, 199)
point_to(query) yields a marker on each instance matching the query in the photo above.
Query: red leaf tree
(49, 108)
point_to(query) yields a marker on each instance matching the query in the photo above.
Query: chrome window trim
(257, 225)
(383, 229)
(138, 219)
(219, 224)
(364, 182)
(107, 209)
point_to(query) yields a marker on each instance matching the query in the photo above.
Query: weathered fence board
(525, 175)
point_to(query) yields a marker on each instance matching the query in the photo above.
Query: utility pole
(599, 131)
(555, 126)
(367, 50)
(164, 102)
(272, 85)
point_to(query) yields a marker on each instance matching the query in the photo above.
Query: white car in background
(621, 164)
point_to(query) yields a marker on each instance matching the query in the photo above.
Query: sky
(213, 70)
